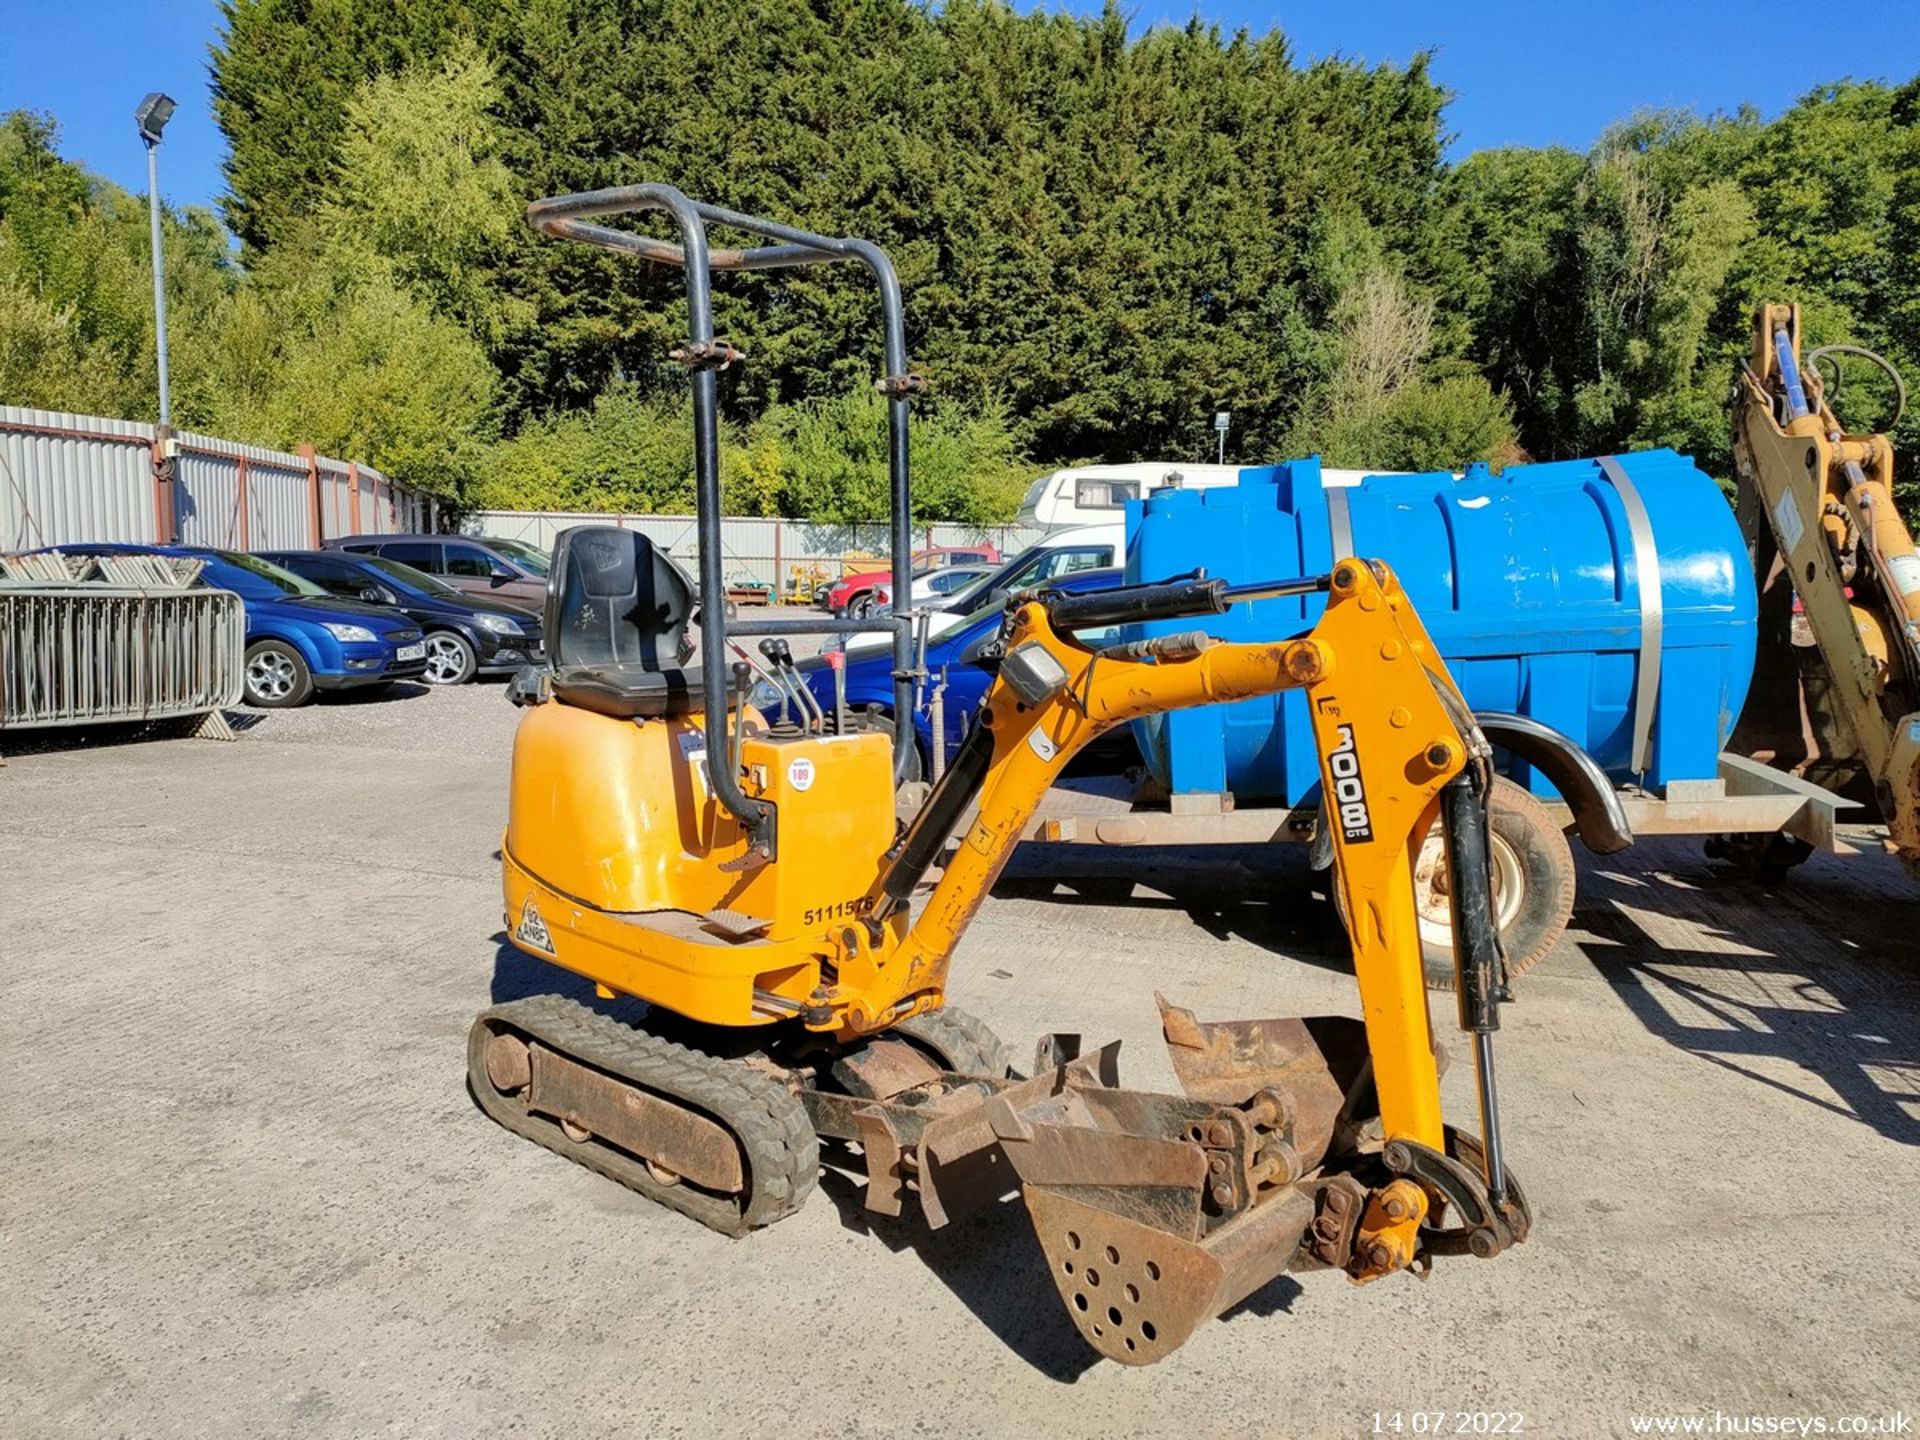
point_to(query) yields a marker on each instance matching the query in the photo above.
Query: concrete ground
(243, 1190)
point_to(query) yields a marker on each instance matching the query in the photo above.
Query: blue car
(951, 656)
(299, 638)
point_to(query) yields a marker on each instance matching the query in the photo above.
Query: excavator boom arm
(1384, 713)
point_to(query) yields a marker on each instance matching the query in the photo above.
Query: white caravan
(1098, 494)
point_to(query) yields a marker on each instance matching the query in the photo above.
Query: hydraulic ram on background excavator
(1836, 693)
(747, 876)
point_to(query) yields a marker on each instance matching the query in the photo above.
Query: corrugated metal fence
(71, 478)
(790, 554)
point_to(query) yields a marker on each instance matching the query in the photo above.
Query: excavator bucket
(1158, 1212)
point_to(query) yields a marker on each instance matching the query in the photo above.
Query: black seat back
(616, 602)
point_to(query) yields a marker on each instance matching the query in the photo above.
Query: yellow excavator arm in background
(1816, 503)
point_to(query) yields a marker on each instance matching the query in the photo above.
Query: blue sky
(1525, 73)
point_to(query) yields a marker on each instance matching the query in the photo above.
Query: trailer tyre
(1532, 887)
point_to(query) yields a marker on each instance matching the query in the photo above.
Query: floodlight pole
(151, 116)
(159, 275)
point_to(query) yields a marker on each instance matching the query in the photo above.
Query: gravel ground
(243, 1191)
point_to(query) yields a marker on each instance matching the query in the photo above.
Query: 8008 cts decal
(1349, 797)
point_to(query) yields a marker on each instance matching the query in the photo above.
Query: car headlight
(500, 624)
(765, 696)
(348, 634)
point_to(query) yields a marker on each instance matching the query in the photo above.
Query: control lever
(742, 686)
(837, 662)
(780, 654)
(769, 676)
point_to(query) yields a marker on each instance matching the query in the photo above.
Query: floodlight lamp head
(152, 115)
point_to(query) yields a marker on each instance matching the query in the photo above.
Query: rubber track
(781, 1151)
(962, 1040)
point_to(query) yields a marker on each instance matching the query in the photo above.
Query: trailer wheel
(1532, 886)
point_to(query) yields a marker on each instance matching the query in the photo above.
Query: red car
(856, 594)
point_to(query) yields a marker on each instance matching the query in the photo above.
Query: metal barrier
(85, 641)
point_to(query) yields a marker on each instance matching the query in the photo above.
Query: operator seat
(617, 618)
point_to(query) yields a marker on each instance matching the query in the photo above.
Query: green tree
(283, 74)
(1380, 400)
(329, 340)
(1106, 232)
(76, 287)
(420, 186)
(826, 459)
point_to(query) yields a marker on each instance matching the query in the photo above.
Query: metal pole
(159, 275)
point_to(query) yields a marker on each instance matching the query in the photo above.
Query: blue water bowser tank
(1550, 589)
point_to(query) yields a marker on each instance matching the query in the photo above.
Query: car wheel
(861, 605)
(450, 658)
(880, 718)
(277, 677)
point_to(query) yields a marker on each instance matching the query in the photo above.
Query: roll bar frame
(571, 217)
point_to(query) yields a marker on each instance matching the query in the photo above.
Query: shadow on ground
(1817, 974)
(1265, 895)
(375, 695)
(993, 1264)
(60, 739)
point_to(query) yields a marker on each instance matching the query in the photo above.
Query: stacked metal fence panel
(130, 642)
(764, 552)
(65, 479)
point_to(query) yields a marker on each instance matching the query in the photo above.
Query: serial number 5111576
(1449, 1422)
(820, 914)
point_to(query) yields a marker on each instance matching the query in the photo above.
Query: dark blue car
(467, 635)
(950, 656)
(299, 638)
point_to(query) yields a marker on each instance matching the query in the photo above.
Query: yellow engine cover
(613, 821)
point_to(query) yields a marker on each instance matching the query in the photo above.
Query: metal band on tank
(1646, 564)
(1339, 521)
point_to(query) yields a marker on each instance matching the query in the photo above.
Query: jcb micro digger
(746, 876)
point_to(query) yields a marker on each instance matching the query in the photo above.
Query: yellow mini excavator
(748, 876)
